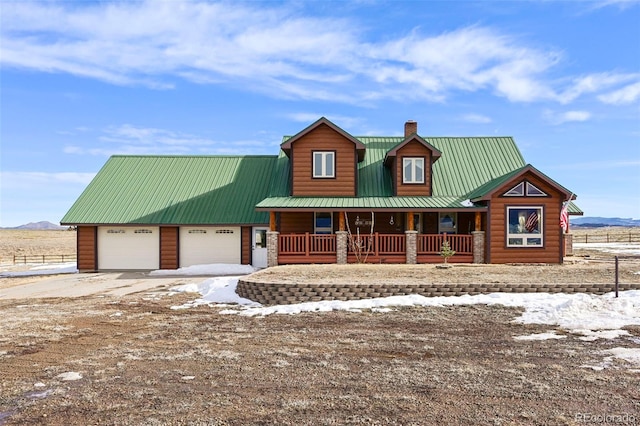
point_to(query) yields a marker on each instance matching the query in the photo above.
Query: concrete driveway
(89, 284)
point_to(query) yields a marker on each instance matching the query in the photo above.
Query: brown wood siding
(413, 149)
(296, 222)
(169, 247)
(551, 252)
(246, 232)
(87, 247)
(324, 138)
(381, 222)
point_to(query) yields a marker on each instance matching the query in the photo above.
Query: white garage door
(205, 245)
(123, 248)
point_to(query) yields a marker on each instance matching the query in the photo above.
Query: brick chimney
(410, 128)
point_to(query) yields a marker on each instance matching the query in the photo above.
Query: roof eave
(360, 147)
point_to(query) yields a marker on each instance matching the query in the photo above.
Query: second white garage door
(206, 245)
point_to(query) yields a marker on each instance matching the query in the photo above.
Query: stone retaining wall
(283, 294)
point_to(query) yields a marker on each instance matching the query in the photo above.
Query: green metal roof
(359, 203)
(178, 190)
(466, 163)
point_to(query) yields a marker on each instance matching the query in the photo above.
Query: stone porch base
(283, 294)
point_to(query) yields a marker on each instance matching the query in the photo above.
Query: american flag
(564, 217)
(532, 222)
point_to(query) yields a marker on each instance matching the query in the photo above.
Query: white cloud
(621, 4)
(593, 83)
(557, 118)
(476, 118)
(347, 123)
(273, 49)
(128, 139)
(15, 180)
(626, 95)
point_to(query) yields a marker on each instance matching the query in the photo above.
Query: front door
(259, 245)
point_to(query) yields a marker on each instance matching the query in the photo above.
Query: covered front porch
(374, 237)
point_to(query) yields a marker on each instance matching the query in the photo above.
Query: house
(328, 197)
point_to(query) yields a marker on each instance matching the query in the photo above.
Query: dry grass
(21, 242)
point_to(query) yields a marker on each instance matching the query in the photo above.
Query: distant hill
(43, 225)
(598, 222)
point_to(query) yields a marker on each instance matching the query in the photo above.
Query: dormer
(324, 161)
(411, 162)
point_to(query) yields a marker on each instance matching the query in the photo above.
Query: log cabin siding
(87, 243)
(169, 247)
(551, 251)
(294, 223)
(246, 244)
(412, 149)
(324, 138)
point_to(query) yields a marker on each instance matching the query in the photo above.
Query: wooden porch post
(478, 221)
(410, 220)
(341, 225)
(272, 221)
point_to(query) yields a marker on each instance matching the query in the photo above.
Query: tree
(445, 250)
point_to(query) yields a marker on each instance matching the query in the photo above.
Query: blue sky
(81, 81)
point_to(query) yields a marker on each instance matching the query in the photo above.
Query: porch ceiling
(367, 203)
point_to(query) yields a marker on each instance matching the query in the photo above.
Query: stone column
(411, 247)
(568, 244)
(272, 248)
(341, 247)
(478, 246)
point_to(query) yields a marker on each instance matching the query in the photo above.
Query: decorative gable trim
(360, 147)
(435, 153)
(485, 192)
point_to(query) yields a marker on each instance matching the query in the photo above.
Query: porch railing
(306, 244)
(378, 244)
(432, 244)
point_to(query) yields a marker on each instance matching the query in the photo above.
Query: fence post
(616, 276)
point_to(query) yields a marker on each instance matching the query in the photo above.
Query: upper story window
(413, 170)
(324, 164)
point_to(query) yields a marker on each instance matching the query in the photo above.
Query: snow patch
(48, 269)
(616, 248)
(69, 376)
(541, 336)
(214, 290)
(631, 355)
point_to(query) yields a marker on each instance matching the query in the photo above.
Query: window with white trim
(524, 226)
(413, 170)
(323, 223)
(324, 164)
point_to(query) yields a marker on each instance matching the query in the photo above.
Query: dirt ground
(133, 360)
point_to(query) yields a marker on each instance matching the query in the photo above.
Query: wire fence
(17, 259)
(630, 237)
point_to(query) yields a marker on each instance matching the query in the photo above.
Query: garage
(210, 244)
(128, 248)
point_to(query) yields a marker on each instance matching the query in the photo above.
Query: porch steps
(271, 293)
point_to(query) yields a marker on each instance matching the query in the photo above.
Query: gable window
(524, 226)
(525, 189)
(324, 164)
(413, 170)
(323, 223)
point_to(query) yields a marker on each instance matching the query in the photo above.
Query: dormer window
(324, 164)
(413, 170)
